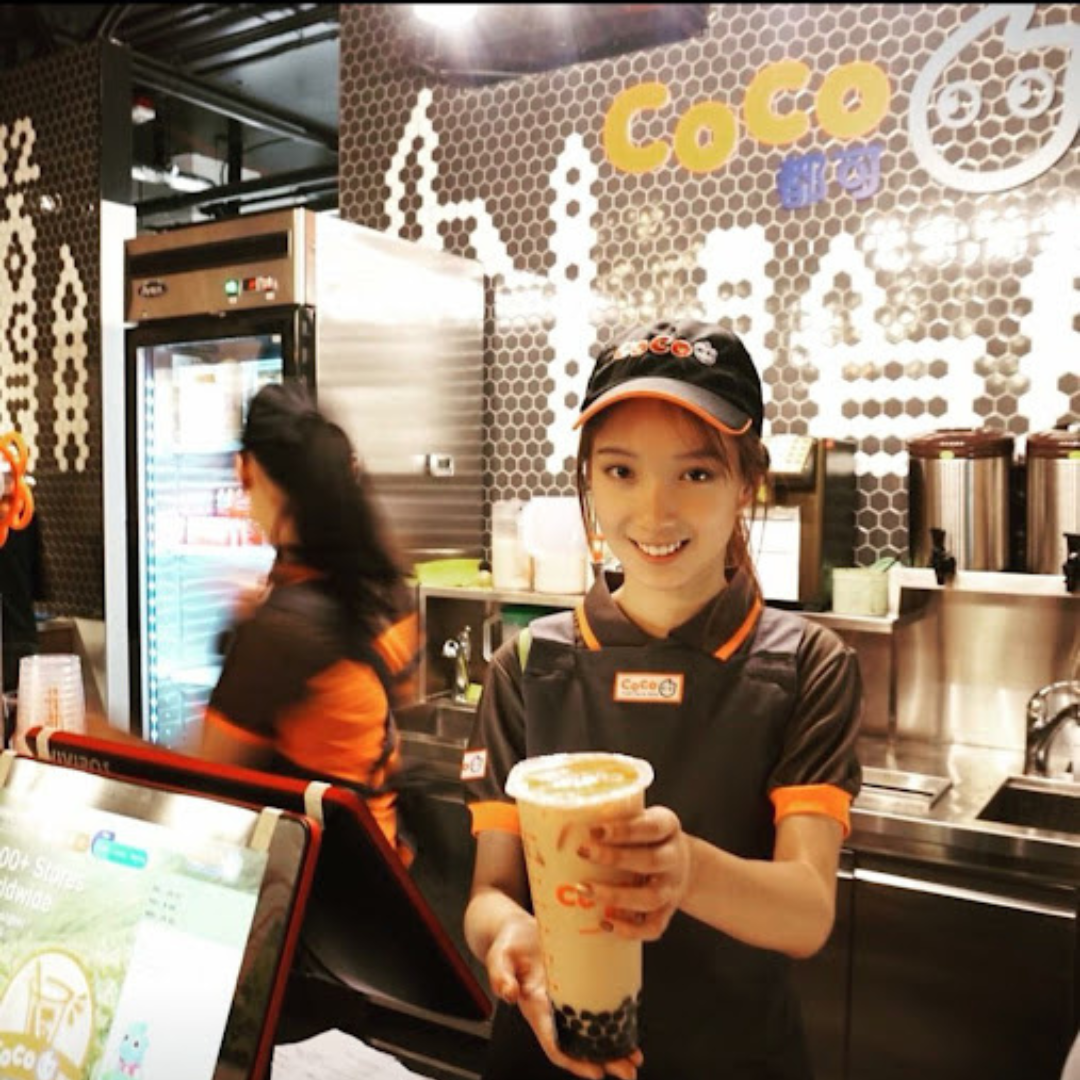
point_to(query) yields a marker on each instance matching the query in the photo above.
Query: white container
(511, 566)
(555, 539)
(50, 693)
(860, 591)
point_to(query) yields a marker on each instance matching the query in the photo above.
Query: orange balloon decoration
(20, 508)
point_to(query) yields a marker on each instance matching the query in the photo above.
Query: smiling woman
(747, 715)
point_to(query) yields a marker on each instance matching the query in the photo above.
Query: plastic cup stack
(51, 693)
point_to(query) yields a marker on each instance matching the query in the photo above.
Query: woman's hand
(515, 968)
(656, 856)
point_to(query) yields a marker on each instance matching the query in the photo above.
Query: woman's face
(266, 499)
(666, 501)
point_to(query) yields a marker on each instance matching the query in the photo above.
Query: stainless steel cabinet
(956, 974)
(823, 984)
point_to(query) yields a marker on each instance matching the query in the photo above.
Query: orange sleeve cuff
(234, 731)
(495, 815)
(824, 799)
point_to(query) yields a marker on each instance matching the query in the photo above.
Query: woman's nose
(655, 504)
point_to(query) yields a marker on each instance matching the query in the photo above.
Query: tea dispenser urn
(958, 486)
(1053, 498)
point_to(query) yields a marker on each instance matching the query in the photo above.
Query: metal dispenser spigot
(1071, 566)
(943, 563)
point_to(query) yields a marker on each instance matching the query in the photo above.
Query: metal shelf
(502, 596)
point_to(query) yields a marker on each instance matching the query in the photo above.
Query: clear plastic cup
(50, 693)
(593, 976)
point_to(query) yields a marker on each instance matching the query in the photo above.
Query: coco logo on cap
(702, 351)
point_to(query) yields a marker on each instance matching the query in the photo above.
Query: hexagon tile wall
(50, 335)
(882, 198)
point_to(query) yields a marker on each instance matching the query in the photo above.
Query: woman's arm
(506, 940)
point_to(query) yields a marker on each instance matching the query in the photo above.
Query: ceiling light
(445, 16)
(171, 177)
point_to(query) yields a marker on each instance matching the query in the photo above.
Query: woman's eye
(618, 472)
(699, 476)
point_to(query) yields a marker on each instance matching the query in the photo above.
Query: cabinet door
(956, 977)
(823, 981)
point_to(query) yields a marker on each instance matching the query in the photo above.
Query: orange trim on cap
(587, 634)
(824, 799)
(495, 815)
(736, 639)
(235, 731)
(671, 399)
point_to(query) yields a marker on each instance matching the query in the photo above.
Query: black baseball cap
(702, 367)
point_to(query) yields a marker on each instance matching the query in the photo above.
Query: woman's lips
(660, 552)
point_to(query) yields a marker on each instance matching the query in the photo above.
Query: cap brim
(714, 410)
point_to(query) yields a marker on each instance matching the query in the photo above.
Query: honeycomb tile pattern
(875, 313)
(50, 245)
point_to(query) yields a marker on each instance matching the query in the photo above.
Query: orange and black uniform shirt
(747, 715)
(295, 683)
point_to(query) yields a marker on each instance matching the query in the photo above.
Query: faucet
(459, 649)
(1048, 710)
(943, 563)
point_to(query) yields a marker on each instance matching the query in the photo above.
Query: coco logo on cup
(656, 686)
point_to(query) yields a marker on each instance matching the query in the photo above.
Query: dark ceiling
(242, 99)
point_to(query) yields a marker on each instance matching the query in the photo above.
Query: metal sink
(435, 732)
(1031, 802)
(896, 791)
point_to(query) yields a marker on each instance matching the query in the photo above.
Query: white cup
(555, 538)
(50, 693)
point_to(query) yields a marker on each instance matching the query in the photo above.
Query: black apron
(713, 1007)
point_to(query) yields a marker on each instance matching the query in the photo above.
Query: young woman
(736, 855)
(304, 685)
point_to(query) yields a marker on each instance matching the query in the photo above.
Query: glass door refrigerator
(389, 335)
(192, 547)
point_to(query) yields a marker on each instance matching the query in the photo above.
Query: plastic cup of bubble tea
(593, 975)
(51, 693)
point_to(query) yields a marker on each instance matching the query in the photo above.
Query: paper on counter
(335, 1055)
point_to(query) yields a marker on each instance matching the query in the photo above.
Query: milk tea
(593, 976)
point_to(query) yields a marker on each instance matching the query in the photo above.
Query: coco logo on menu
(948, 116)
(850, 101)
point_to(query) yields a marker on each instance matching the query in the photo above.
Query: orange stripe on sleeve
(398, 643)
(495, 815)
(824, 799)
(234, 731)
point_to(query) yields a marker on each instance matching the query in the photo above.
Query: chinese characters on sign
(802, 178)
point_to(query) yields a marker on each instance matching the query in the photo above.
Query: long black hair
(340, 530)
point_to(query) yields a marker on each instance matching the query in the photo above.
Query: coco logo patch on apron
(474, 765)
(665, 688)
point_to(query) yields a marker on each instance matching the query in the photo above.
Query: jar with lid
(958, 482)
(1053, 497)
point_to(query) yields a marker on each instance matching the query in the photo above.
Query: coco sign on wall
(853, 99)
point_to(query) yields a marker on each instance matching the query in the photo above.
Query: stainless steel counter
(924, 800)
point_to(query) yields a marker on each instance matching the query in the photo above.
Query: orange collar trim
(587, 634)
(285, 573)
(728, 648)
